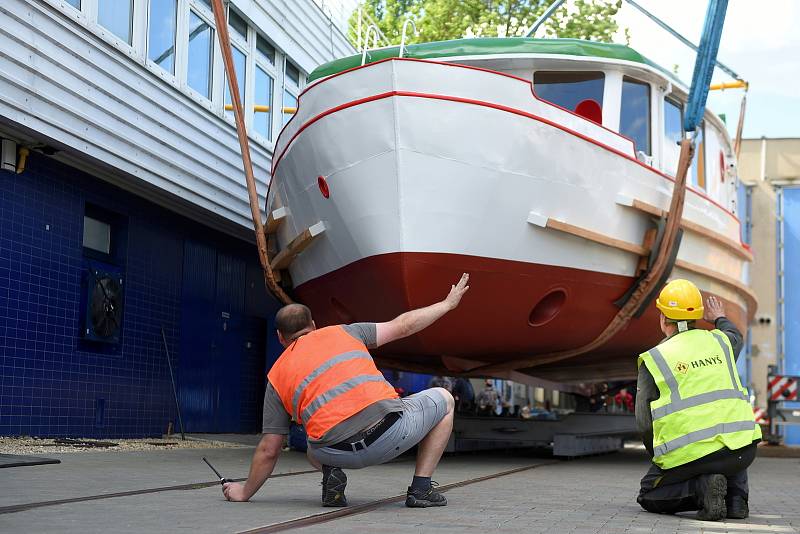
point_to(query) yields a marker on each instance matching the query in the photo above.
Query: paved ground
(587, 495)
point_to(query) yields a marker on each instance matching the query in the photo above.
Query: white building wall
(67, 81)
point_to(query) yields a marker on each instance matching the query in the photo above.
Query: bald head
(292, 320)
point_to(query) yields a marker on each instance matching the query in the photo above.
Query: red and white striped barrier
(782, 388)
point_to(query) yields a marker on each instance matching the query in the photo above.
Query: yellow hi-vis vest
(702, 406)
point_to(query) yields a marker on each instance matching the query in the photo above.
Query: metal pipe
(680, 37)
(263, 108)
(23, 153)
(546, 15)
(244, 144)
(172, 381)
(738, 84)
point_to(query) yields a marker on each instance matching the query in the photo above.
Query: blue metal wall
(790, 211)
(52, 383)
(744, 203)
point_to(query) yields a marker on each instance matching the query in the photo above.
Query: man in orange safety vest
(327, 380)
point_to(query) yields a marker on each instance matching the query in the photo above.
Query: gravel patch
(33, 445)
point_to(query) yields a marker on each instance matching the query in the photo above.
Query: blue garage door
(791, 289)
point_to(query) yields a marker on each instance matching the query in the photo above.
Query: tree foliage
(439, 20)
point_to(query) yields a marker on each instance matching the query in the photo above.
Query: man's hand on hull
(457, 291)
(714, 309)
(234, 492)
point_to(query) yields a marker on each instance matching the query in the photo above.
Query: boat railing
(403, 37)
(374, 31)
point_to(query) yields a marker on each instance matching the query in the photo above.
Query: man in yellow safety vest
(694, 414)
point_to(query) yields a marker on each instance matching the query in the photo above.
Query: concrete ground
(585, 495)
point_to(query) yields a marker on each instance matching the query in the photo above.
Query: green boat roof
(485, 46)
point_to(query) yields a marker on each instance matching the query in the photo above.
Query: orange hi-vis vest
(326, 376)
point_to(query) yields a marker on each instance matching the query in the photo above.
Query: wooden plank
(690, 226)
(749, 294)
(274, 220)
(596, 237)
(285, 257)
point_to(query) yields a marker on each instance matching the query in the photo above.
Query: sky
(760, 41)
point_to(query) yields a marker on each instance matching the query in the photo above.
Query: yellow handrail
(737, 84)
(261, 108)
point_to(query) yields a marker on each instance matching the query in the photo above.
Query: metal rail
(197, 485)
(325, 517)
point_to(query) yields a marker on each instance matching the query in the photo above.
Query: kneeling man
(327, 380)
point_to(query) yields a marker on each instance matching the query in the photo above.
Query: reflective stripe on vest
(334, 392)
(321, 369)
(676, 402)
(700, 435)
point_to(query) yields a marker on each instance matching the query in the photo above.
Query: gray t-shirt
(276, 420)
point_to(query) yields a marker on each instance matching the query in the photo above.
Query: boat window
(698, 168)
(201, 40)
(262, 118)
(237, 24)
(569, 89)
(673, 135)
(239, 65)
(289, 101)
(117, 17)
(161, 34)
(634, 120)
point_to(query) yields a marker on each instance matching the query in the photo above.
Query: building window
(239, 65)
(96, 235)
(237, 24)
(568, 89)
(262, 117)
(289, 106)
(634, 120)
(265, 49)
(673, 135)
(698, 168)
(75, 3)
(293, 73)
(117, 17)
(161, 33)
(291, 86)
(201, 42)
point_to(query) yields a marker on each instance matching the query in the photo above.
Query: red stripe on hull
(494, 321)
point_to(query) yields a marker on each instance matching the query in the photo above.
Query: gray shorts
(421, 412)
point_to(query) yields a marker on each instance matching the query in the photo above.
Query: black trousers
(674, 490)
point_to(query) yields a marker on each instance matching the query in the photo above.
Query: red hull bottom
(513, 310)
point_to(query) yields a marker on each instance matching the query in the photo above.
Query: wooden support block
(285, 257)
(648, 242)
(596, 237)
(274, 220)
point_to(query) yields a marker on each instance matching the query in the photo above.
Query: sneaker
(737, 508)
(711, 490)
(417, 498)
(333, 483)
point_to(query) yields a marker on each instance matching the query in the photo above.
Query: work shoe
(417, 498)
(711, 490)
(737, 508)
(333, 483)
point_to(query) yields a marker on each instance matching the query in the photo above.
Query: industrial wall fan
(103, 306)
